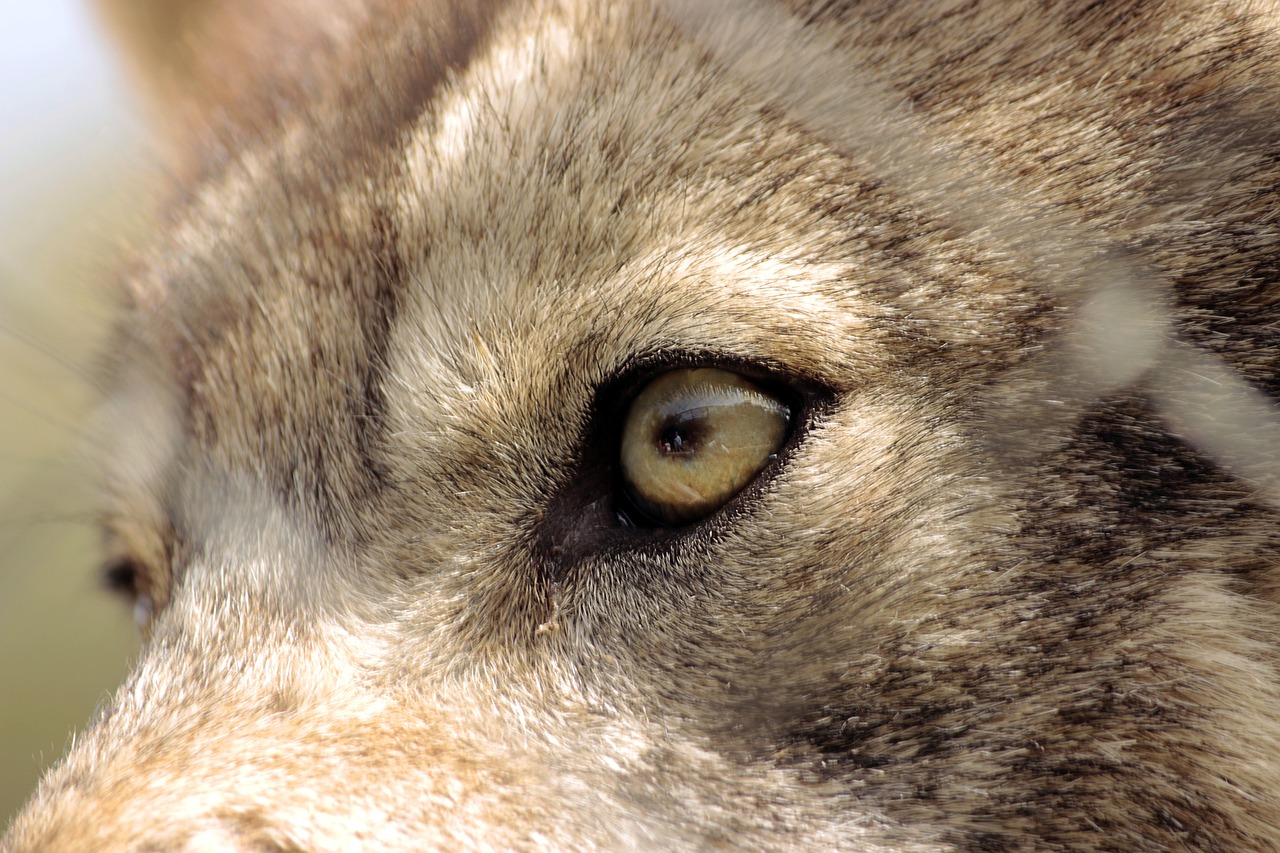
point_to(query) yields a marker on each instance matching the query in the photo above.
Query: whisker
(35, 504)
(30, 343)
(47, 417)
(17, 321)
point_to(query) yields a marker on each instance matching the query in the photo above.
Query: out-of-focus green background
(69, 171)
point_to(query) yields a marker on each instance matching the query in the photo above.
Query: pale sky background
(54, 72)
(69, 169)
(62, 109)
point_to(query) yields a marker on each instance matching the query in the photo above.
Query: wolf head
(576, 425)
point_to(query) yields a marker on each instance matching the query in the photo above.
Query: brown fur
(1015, 583)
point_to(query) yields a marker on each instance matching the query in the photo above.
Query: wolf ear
(209, 65)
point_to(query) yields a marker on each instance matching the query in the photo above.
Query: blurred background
(70, 168)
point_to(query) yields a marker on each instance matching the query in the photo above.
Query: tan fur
(1016, 584)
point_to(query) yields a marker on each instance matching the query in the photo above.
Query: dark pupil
(671, 440)
(680, 435)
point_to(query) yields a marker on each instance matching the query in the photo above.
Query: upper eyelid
(624, 382)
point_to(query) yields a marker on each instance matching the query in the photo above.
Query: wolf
(691, 424)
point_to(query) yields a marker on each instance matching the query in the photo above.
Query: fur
(1014, 582)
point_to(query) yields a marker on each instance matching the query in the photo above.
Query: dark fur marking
(368, 402)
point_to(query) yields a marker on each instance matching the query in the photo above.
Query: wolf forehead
(548, 215)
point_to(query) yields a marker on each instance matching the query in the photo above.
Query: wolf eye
(693, 438)
(124, 576)
(120, 576)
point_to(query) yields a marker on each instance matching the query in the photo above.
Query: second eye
(693, 438)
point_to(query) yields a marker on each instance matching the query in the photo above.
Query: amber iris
(694, 438)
